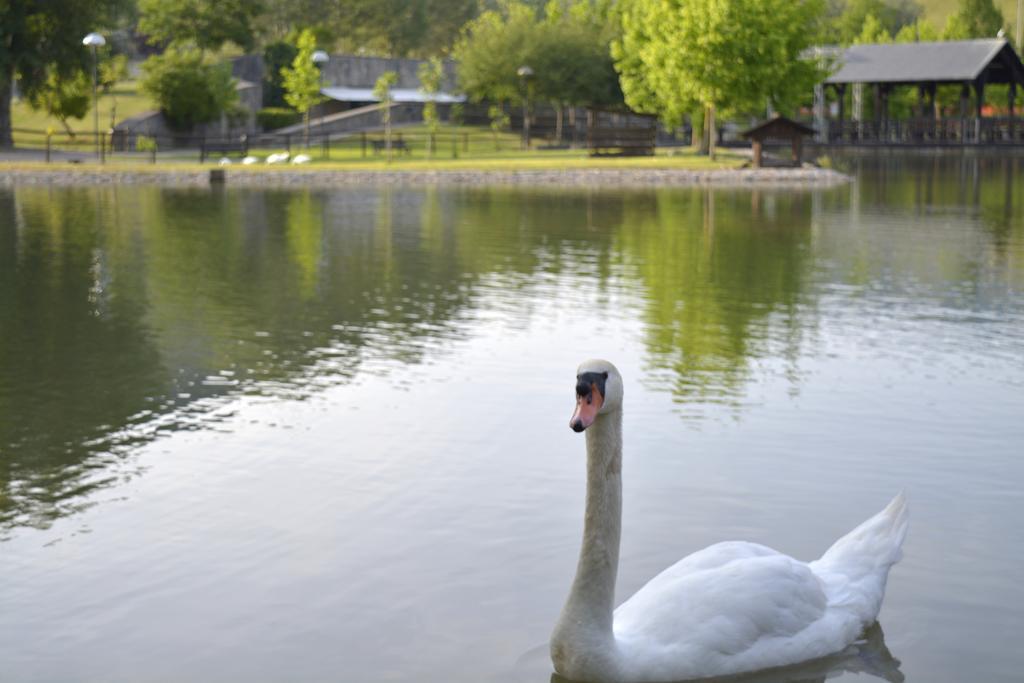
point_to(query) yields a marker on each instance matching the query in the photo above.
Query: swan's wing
(732, 607)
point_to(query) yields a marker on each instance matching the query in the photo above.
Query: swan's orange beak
(587, 406)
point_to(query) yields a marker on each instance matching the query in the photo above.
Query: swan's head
(598, 392)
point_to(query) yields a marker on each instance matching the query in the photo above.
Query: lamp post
(525, 73)
(320, 58)
(95, 41)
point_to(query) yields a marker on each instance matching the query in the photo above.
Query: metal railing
(447, 143)
(930, 131)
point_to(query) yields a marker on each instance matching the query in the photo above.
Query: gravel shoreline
(602, 177)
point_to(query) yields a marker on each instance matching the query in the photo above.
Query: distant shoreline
(326, 178)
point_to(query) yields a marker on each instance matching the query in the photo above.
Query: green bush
(272, 118)
(144, 143)
(189, 88)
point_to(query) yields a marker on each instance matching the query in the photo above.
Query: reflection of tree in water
(120, 313)
(724, 273)
(76, 362)
(123, 312)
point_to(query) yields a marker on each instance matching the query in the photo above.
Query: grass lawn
(123, 101)
(477, 148)
(684, 159)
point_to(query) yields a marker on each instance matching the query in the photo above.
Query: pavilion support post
(932, 117)
(757, 153)
(1011, 95)
(933, 103)
(841, 92)
(979, 102)
(965, 94)
(876, 108)
(885, 112)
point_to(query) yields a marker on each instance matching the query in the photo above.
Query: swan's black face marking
(587, 381)
(590, 392)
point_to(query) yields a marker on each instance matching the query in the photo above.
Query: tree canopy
(848, 18)
(301, 80)
(974, 19)
(40, 40)
(676, 56)
(205, 24)
(567, 48)
(189, 87)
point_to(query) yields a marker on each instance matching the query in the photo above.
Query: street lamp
(95, 41)
(320, 58)
(525, 73)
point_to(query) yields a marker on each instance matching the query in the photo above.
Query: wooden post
(876, 90)
(757, 153)
(965, 93)
(1011, 96)
(979, 93)
(798, 141)
(841, 91)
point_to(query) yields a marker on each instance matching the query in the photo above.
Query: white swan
(731, 608)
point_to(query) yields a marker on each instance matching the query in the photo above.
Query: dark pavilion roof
(777, 127)
(947, 61)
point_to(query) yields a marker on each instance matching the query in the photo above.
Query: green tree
(921, 30)
(568, 49)
(872, 32)
(64, 97)
(206, 24)
(112, 70)
(400, 28)
(973, 19)
(189, 87)
(431, 73)
(499, 122)
(492, 47)
(572, 58)
(382, 91)
(38, 39)
(848, 18)
(301, 81)
(727, 56)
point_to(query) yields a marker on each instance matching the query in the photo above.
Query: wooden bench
(382, 145)
(223, 147)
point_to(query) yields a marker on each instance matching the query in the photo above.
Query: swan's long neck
(592, 597)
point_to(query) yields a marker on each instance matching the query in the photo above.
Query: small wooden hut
(778, 130)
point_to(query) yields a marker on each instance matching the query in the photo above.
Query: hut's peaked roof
(778, 127)
(954, 60)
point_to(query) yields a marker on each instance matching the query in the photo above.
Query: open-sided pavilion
(971, 64)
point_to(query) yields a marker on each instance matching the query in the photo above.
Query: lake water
(323, 435)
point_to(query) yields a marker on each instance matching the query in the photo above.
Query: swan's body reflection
(868, 655)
